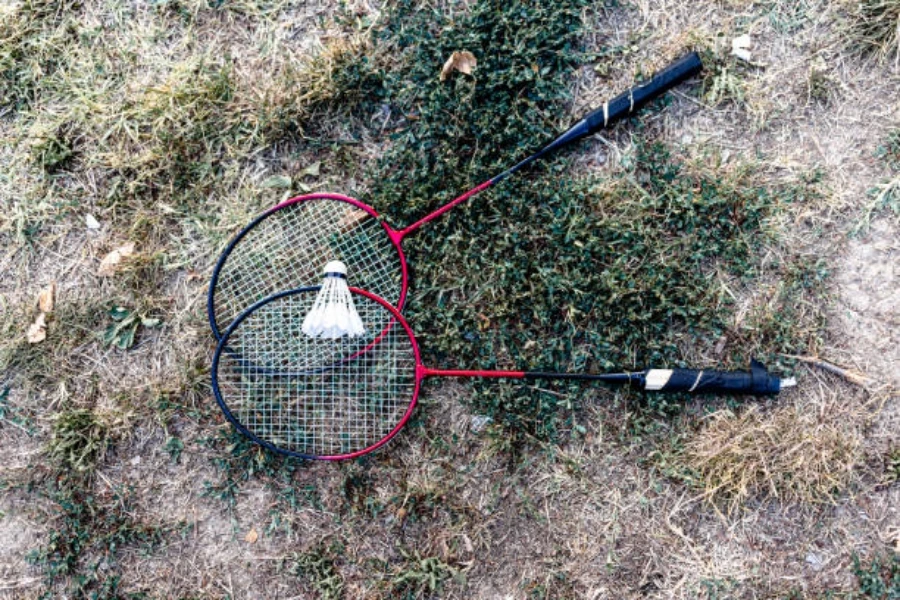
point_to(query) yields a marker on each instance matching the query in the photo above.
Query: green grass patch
(74, 321)
(880, 578)
(885, 195)
(420, 576)
(238, 460)
(80, 556)
(80, 439)
(33, 44)
(317, 568)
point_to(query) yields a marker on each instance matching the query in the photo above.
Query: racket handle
(621, 106)
(756, 381)
(627, 103)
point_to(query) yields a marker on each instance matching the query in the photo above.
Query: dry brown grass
(800, 453)
(874, 27)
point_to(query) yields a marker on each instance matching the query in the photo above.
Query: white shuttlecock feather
(333, 314)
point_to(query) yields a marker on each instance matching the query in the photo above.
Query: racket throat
(449, 206)
(422, 372)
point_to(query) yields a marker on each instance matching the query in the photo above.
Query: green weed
(879, 579)
(889, 151)
(12, 414)
(80, 439)
(122, 332)
(892, 465)
(555, 586)
(88, 532)
(420, 575)
(317, 566)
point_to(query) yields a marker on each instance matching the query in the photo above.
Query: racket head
(287, 246)
(294, 406)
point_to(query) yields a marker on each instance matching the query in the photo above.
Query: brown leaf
(251, 536)
(463, 62)
(351, 218)
(37, 332)
(110, 263)
(45, 298)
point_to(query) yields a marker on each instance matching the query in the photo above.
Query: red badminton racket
(352, 407)
(287, 246)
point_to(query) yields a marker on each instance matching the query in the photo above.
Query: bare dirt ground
(594, 518)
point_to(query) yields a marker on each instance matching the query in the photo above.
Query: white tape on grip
(656, 379)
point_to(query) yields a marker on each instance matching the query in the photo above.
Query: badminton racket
(354, 406)
(287, 246)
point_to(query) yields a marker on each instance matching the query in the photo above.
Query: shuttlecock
(333, 314)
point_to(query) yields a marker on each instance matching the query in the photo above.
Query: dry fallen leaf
(251, 536)
(110, 263)
(38, 330)
(463, 62)
(351, 218)
(45, 298)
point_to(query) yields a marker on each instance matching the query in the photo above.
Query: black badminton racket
(354, 406)
(287, 246)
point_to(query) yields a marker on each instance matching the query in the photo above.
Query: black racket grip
(756, 381)
(627, 103)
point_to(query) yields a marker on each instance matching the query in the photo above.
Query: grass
(318, 567)
(174, 122)
(80, 555)
(873, 28)
(788, 454)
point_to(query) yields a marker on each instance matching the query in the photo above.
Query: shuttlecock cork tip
(336, 267)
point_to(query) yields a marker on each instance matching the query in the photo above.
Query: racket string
(289, 247)
(272, 380)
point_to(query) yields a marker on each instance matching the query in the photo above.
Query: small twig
(854, 377)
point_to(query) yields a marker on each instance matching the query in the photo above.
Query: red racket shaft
(756, 381)
(612, 111)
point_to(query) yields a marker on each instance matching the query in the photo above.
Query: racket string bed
(290, 251)
(272, 378)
